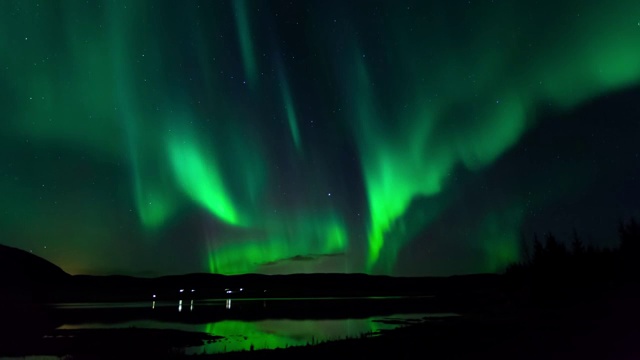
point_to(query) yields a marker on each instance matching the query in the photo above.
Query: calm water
(261, 323)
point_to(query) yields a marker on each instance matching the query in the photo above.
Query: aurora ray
(433, 133)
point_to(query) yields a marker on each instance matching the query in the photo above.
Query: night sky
(388, 137)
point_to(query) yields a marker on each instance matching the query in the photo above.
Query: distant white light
(154, 296)
(192, 290)
(240, 289)
(181, 290)
(228, 291)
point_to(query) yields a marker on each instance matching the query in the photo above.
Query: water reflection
(281, 333)
(268, 334)
(283, 323)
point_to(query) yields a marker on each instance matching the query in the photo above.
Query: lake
(258, 323)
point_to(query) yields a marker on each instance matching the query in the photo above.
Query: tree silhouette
(538, 250)
(629, 233)
(629, 236)
(558, 276)
(577, 246)
(556, 250)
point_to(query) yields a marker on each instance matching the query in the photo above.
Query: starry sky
(409, 138)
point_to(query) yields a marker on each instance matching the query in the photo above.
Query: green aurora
(262, 136)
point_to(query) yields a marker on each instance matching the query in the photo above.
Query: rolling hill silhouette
(25, 274)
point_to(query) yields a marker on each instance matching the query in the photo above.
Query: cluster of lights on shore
(182, 291)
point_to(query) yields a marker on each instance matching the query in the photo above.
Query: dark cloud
(302, 258)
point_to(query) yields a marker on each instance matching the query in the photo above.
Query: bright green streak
(394, 170)
(100, 84)
(199, 177)
(291, 113)
(244, 38)
(153, 203)
(449, 121)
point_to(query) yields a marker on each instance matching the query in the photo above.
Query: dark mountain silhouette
(27, 276)
(29, 285)
(26, 282)
(24, 276)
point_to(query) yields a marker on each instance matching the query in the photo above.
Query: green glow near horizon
(501, 238)
(278, 241)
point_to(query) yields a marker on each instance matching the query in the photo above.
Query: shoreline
(502, 334)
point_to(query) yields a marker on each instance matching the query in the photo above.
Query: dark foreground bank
(604, 327)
